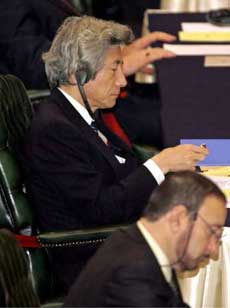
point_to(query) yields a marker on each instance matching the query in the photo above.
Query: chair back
(16, 212)
(15, 118)
(16, 288)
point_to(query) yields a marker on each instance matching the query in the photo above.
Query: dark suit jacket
(73, 178)
(123, 273)
(27, 28)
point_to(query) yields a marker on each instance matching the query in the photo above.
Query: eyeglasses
(216, 231)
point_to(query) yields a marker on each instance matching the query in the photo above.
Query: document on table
(221, 180)
(203, 32)
(198, 50)
(222, 171)
(204, 36)
(202, 27)
(217, 61)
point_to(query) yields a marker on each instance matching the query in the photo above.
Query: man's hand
(138, 55)
(181, 157)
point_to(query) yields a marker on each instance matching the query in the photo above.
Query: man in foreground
(180, 228)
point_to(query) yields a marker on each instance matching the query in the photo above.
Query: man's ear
(178, 218)
(72, 79)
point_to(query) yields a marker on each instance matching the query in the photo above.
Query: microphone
(85, 100)
(82, 78)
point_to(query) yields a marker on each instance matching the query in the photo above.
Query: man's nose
(121, 79)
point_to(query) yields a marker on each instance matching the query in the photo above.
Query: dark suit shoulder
(49, 124)
(50, 114)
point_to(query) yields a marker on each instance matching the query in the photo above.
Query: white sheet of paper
(202, 27)
(198, 50)
(217, 61)
(224, 183)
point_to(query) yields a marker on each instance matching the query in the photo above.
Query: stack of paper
(202, 27)
(223, 171)
(198, 50)
(204, 36)
(203, 32)
(220, 176)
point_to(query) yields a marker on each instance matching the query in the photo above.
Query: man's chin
(188, 273)
(191, 268)
(113, 103)
(194, 270)
(109, 104)
(203, 263)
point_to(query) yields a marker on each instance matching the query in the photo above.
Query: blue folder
(219, 151)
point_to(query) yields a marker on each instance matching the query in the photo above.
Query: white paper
(217, 61)
(224, 183)
(198, 50)
(203, 27)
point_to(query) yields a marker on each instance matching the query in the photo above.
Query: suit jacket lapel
(175, 281)
(75, 118)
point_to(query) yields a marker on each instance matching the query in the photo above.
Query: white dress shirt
(149, 164)
(162, 259)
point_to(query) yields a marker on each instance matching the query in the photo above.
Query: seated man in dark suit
(27, 28)
(180, 228)
(78, 174)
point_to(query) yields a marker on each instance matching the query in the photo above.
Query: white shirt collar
(161, 257)
(80, 108)
(86, 116)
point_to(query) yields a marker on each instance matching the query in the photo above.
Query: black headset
(83, 75)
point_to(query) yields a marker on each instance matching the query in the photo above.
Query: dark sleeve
(96, 197)
(28, 27)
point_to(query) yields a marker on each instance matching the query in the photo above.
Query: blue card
(219, 151)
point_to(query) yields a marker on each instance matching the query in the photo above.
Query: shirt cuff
(154, 170)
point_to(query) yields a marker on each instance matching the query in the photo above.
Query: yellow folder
(204, 36)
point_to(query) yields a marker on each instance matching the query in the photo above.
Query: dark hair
(185, 187)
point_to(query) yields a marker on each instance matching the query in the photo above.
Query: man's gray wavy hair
(81, 42)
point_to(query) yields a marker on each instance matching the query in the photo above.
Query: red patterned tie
(113, 124)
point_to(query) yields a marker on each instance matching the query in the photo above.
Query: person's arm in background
(140, 53)
(28, 27)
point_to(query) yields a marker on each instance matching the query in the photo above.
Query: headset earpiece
(83, 74)
(81, 77)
